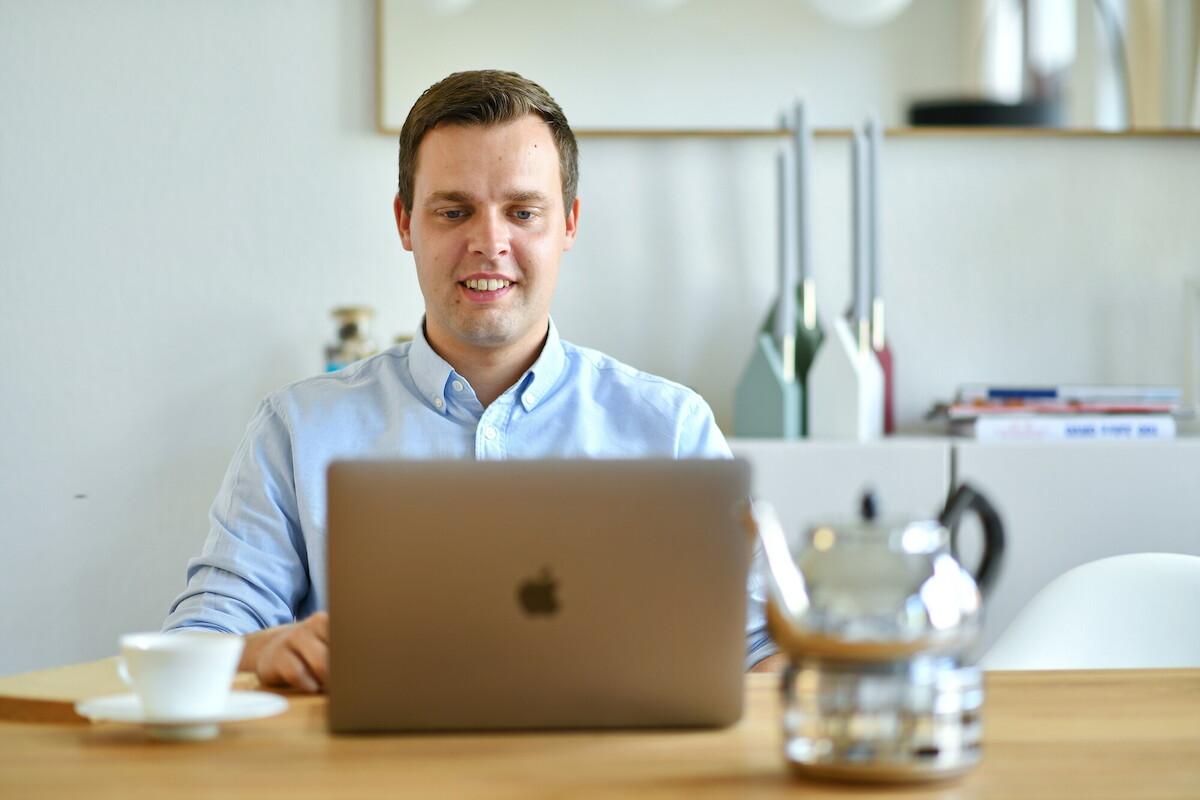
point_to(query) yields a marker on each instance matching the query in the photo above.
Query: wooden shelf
(901, 132)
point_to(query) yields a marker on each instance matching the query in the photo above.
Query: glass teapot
(878, 590)
(878, 618)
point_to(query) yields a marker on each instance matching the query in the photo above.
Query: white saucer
(127, 708)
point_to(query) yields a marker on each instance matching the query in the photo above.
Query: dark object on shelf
(967, 111)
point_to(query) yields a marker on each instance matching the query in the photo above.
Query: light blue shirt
(263, 563)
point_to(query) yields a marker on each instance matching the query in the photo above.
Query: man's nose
(489, 235)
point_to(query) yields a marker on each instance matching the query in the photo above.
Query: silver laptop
(536, 594)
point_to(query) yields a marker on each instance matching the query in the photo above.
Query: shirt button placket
(490, 445)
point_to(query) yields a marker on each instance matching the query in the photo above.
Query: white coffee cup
(180, 675)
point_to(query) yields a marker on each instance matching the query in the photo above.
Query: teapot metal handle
(967, 498)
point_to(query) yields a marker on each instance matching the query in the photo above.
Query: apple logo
(537, 595)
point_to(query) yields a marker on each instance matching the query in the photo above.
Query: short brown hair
(485, 97)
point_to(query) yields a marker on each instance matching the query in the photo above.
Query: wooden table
(1098, 734)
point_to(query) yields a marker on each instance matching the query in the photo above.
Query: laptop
(512, 595)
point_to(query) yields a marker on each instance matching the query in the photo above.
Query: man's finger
(315, 654)
(285, 666)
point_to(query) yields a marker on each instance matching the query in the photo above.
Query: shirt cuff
(760, 648)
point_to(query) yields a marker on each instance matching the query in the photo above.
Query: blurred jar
(353, 337)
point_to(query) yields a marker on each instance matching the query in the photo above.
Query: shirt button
(490, 433)
(530, 398)
(458, 386)
(437, 401)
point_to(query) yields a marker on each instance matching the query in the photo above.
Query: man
(487, 205)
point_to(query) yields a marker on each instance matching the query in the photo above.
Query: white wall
(619, 64)
(1007, 259)
(186, 188)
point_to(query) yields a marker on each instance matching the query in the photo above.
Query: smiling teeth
(489, 285)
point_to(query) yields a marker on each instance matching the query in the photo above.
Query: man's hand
(775, 663)
(295, 655)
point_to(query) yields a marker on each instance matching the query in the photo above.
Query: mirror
(713, 66)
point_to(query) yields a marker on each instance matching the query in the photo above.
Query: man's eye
(524, 214)
(454, 213)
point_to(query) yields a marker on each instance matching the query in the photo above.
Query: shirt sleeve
(253, 570)
(699, 437)
(758, 642)
(697, 434)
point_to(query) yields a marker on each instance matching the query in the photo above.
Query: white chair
(1125, 612)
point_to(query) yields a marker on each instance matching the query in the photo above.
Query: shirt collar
(431, 373)
(539, 380)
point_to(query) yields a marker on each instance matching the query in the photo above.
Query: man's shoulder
(611, 373)
(620, 387)
(660, 415)
(362, 379)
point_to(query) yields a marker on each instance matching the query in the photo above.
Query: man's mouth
(488, 285)
(485, 290)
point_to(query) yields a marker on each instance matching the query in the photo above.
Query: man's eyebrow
(448, 197)
(528, 197)
(520, 196)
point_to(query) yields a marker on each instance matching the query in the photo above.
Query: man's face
(487, 208)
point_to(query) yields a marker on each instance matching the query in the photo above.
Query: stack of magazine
(1030, 413)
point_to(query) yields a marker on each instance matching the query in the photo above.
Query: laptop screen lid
(470, 595)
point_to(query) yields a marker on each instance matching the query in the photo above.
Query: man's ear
(572, 225)
(403, 223)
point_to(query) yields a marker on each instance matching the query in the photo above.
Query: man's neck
(489, 370)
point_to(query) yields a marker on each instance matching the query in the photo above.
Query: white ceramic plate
(126, 708)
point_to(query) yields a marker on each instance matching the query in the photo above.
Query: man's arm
(697, 436)
(253, 571)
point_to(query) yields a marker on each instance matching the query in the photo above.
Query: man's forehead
(457, 161)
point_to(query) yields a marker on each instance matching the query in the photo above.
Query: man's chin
(491, 333)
